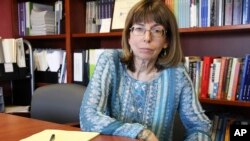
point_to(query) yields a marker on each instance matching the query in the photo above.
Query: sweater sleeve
(197, 124)
(95, 111)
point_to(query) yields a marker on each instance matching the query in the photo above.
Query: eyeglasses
(140, 31)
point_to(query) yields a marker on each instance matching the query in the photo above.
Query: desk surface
(14, 128)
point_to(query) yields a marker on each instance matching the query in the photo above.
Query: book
(207, 61)
(237, 12)
(236, 79)
(214, 78)
(85, 67)
(21, 18)
(219, 12)
(194, 13)
(81, 67)
(245, 12)
(198, 77)
(234, 72)
(93, 58)
(58, 16)
(228, 12)
(221, 128)
(63, 71)
(214, 126)
(212, 13)
(245, 78)
(227, 77)
(227, 131)
(223, 71)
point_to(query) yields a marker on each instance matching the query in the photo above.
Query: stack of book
(206, 13)
(220, 77)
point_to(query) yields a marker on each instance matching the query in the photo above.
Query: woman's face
(147, 40)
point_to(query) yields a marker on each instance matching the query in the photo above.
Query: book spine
(231, 79)
(211, 81)
(237, 12)
(19, 19)
(236, 80)
(221, 77)
(228, 12)
(216, 77)
(229, 70)
(197, 77)
(246, 70)
(22, 18)
(212, 13)
(205, 76)
(246, 12)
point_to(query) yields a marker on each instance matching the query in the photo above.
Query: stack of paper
(62, 135)
(42, 20)
(40, 60)
(43, 57)
(9, 50)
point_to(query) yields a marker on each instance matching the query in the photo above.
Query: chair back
(58, 103)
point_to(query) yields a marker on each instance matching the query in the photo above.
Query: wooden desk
(14, 128)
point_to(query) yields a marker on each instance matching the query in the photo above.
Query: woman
(137, 92)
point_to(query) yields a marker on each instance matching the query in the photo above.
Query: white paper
(54, 59)
(105, 25)
(121, 10)
(8, 67)
(78, 65)
(62, 135)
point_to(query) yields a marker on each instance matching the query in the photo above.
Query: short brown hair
(155, 10)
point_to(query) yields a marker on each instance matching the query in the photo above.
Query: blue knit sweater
(114, 103)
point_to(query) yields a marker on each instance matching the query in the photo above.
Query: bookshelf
(214, 41)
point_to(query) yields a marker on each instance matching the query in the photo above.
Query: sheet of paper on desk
(61, 135)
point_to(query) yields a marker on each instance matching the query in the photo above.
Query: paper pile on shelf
(42, 21)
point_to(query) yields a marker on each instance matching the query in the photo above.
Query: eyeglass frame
(163, 32)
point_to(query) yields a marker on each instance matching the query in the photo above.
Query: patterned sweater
(114, 103)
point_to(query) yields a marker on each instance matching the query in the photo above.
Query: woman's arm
(197, 124)
(96, 107)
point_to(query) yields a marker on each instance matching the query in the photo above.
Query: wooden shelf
(217, 40)
(42, 37)
(225, 102)
(230, 28)
(97, 35)
(118, 34)
(235, 28)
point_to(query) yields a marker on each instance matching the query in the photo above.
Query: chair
(58, 103)
(179, 129)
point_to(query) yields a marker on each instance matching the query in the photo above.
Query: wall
(6, 30)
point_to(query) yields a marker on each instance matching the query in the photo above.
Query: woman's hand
(147, 135)
(152, 137)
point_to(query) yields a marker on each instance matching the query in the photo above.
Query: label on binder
(8, 67)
